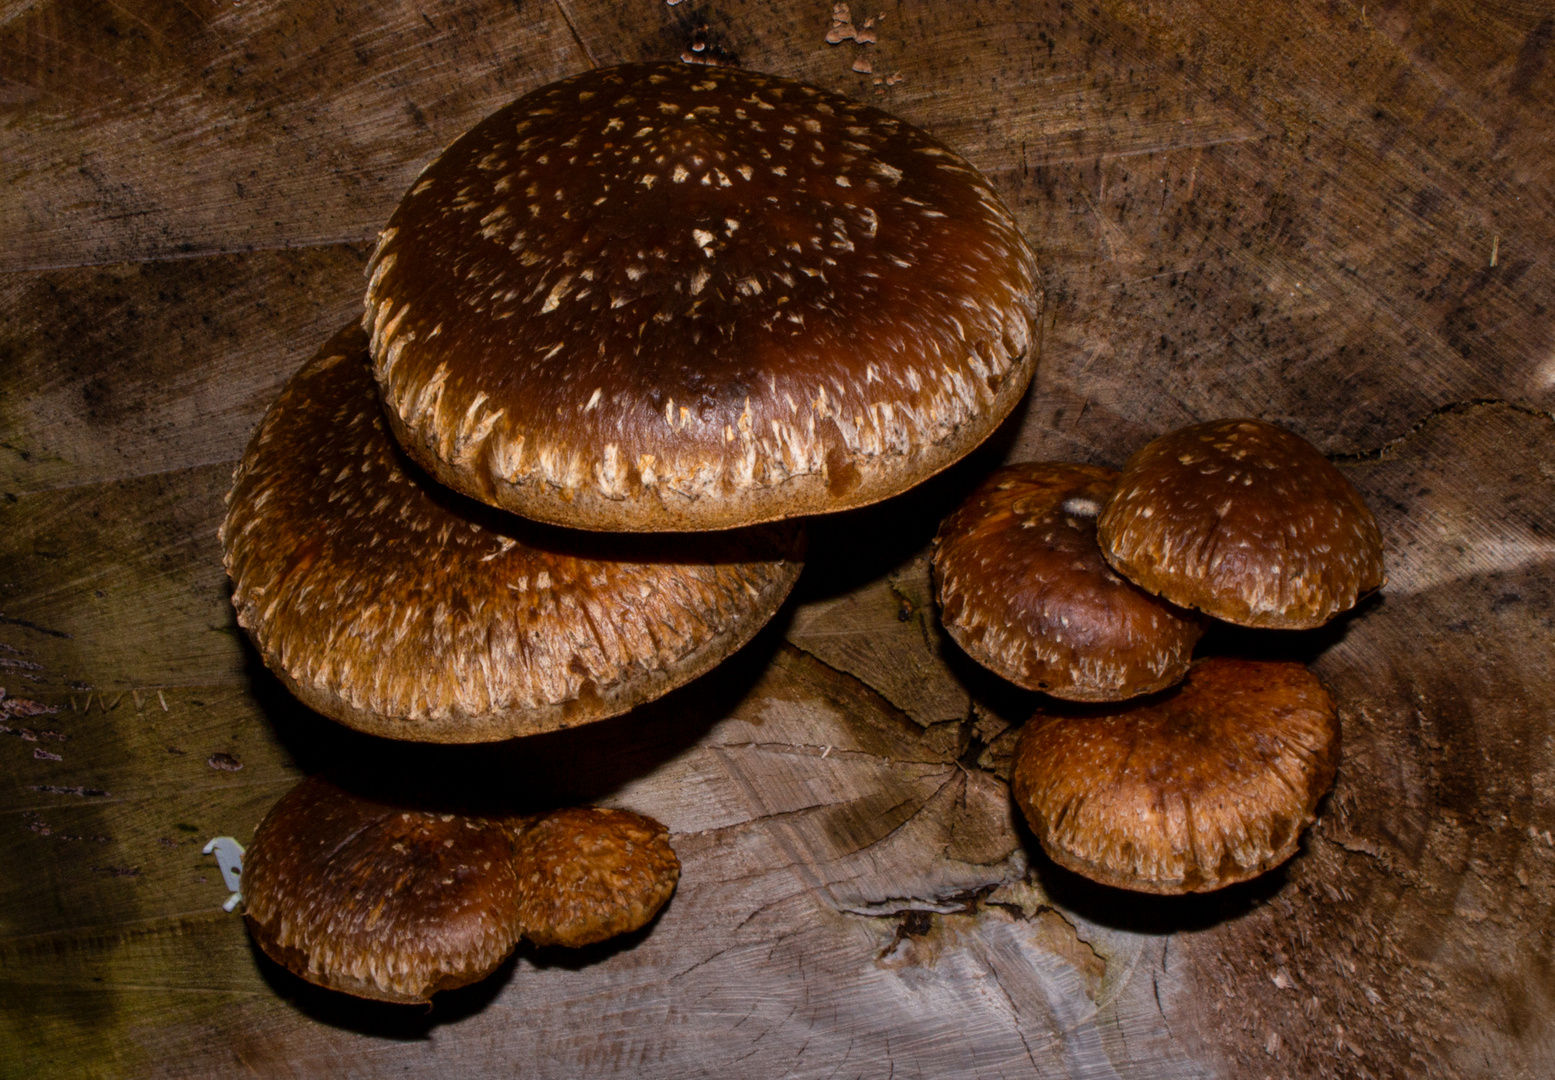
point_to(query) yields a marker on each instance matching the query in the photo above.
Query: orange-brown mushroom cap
(589, 873)
(670, 297)
(1024, 590)
(402, 609)
(1206, 785)
(378, 900)
(1246, 522)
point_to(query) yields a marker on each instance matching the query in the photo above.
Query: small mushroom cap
(1246, 522)
(1023, 588)
(404, 610)
(589, 873)
(1206, 785)
(672, 297)
(377, 900)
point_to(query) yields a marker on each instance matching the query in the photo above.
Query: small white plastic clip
(229, 857)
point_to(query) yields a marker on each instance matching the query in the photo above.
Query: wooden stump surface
(1338, 217)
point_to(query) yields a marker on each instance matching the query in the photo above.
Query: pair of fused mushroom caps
(653, 299)
(1082, 583)
(395, 902)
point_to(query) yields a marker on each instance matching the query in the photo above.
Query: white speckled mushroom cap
(1023, 588)
(394, 901)
(672, 297)
(1246, 522)
(378, 900)
(404, 610)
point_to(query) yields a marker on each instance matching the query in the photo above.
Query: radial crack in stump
(395, 903)
(1246, 522)
(405, 610)
(1206, 785)
(668, 297)
(1024, 590)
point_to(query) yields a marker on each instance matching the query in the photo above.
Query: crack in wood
(883, 703)
(993, 973)
(24, 624)
(1453, 408)
(572, 27)
(811, 750)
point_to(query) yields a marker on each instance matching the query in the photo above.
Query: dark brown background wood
(1334, 216)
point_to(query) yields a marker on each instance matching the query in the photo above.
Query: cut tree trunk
(1334, 217)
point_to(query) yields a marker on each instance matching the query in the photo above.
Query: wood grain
(140, 368)
(1414, 937)
(151, 130)
(1336, 217)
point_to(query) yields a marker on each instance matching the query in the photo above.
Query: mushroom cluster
(1095, 586)
(620, 338)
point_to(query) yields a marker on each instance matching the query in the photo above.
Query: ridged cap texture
(589, 873)
(405, 610)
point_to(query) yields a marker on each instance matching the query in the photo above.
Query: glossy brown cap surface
(1246, 522)
(673, 297)
(1206, 785)
(403, 610)
(376, 900)
(1023, 588)
(589, 873)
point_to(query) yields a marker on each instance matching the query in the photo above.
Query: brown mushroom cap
(672, 297)
(377, 900)
(395, 903)
(1023, 588)
(404, 610)
(1246, 522)
(1204, 786)
(589, 874)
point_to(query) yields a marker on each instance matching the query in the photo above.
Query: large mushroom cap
(1246, 522)
(404, 610)
(1204, 786)
(589, 873)
(377, 900)
(1023, 588)
(674, 297)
